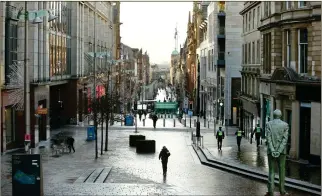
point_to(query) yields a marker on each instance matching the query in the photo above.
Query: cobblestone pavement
(135, 174)
(256, 158)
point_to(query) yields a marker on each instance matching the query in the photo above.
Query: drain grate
(97, 175)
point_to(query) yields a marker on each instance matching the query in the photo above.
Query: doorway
(289, 122)
(42, 122)
(305, 127)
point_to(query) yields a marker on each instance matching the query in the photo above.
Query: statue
(276, 136)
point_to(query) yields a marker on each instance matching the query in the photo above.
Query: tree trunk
(106, 131)
(95, 128)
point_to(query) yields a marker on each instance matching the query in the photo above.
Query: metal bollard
(208, 124)
(204, 122)
(190, 122)
(143, 122)
(164, 122)
(174, 122)
(185, 123)
(194, 123)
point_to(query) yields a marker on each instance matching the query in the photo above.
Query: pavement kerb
(258, 175)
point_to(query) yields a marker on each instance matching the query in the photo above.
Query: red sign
(27, 137)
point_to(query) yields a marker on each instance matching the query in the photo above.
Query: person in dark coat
(257, 131)
(70, 144)
(239, 133)
(164, 155)
(154, 119)
(220, 135)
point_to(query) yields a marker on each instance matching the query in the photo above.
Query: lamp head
(37, 20)
(51, 16)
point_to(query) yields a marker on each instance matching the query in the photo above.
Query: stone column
(294, 151)
(262, 111)
(272, 108)
(279, 103)
(294, 48)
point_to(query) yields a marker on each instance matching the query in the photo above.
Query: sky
(151, 26)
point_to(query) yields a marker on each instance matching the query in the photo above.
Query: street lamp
(37, 20)
(198, 103)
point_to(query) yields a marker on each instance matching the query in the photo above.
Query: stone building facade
(56, 71)
(291, 72)
(249, 95)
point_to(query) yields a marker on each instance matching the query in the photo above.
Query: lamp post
(37, 20)
(198, 103)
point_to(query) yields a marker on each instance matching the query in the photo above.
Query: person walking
(239, 133)
(220, 136)
(70, 144)
(140, 115)
(154, 119)
(257, 131)
(164, 155)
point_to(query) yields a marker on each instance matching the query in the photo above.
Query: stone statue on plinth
(276, 136)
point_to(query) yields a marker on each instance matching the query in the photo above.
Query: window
(243, 53)
(253, 53)
(246, 25)
(249, 53)
(249, 21)
(302, 4)
(267, 8)
(258, 52)
(288, 5)
(246, 59)
(254, 18)
(288, 48)
(302, 50)
(258, 16)
(11, 46)
(267, 53)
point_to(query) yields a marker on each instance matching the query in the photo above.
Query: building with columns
(290, 77)
(56, 71)
(249, 94)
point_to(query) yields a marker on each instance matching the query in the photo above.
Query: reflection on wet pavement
(256, 158)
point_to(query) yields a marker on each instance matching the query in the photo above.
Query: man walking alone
(164, 155)
(220, 136)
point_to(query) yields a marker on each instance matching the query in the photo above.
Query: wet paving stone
(136, 174)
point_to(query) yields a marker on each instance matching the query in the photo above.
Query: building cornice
(290, 21)
(246, 9)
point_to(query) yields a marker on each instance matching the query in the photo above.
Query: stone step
(103, 175)
(94, 175)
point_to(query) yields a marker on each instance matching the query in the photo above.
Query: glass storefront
(60, 39)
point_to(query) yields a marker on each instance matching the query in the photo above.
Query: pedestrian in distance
(164, 155)
(140, 115)
(239, 133)
(257, 132)
(220, 135)
(154, 119)
(70, 144)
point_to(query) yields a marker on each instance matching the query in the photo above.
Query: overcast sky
(151, 26)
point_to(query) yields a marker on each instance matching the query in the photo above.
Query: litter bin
(90, 133)
(129, 120)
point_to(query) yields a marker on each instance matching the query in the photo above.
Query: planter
(145, 146)
(134, 138)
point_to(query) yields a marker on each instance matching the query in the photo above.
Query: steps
(98, 175)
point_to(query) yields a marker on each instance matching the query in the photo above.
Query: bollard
(164, 122)
(143, 122)
(174, 122)
(194, 123)
(185, 123)
(208, 124)
(190, 122)
(204, 122)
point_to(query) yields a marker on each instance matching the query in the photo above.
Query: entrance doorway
(289, 122)
(42, 122)
(305, 127)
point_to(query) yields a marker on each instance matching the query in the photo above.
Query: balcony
(221, 33)
(221, 60)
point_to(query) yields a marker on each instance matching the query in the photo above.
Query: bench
(134, 138)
